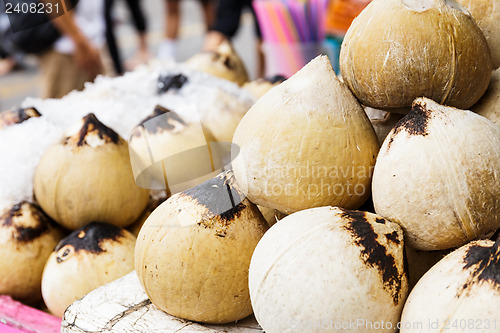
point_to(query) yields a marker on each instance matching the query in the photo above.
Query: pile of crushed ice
(120, 103)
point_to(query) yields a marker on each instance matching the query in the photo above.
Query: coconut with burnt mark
(462, 287)
(328, 265)
(87, 177)
(437, 176)
(17, 116)
(27, 237)
(193, 252)
(222, 62)
(88, 258)
(398, 50)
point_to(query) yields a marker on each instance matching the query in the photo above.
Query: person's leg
(208, 12)
(140, 25)
(168, 47)
(227, 21)
(261, 61)
(111, 39)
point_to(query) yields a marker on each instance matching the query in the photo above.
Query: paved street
(15, 86)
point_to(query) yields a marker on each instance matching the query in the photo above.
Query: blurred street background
(21, 83)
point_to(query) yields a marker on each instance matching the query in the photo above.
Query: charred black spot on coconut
(228, 63)
(484, 264)
(393, 237)
(221, 199)
(380, 220)
(170, 82)
(90, 237)
(374, 254)
(161, 119)
(414, 123)
(22, 234)
(17, 116)
(276, 79)
(92, 124)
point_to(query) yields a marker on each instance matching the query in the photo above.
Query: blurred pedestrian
(142, 55)
(168, 47)
(75, 56)
(10, 57)
(227, 22)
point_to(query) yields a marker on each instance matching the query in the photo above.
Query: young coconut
(17, 116)
(87, 177)
(193, 252)
(222, 116)
(271, 215)
(223, 62)
(383, 122)
(89, 257)
(461, 292)
(489, 105)
(306, 143)
(27, 237)
(398, 50)
(487, 15)
(437, 176)
(168, 149)
(323, 266)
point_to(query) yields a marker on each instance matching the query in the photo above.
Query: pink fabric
(17, 317)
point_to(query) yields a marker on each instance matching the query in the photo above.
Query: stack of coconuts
(366, 224)
(307, 149)
(70, 238)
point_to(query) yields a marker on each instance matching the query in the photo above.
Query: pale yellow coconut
(224, 62)
(461, 293)
(306, 143)
(489, 105)
(437, 176)
(319, 268)
(486, 13)
(88, 258)
(87, 177)
(27, 237)
(398, 50)
(193, 252)
(168, 150)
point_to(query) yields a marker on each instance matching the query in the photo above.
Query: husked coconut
(487, 15)
(27, 237)
(222, 116)
(89, 257)
(489, 105)
(461, 293)
(398, 50)
(87, 177)
(306, 143)
(166, 147)
(383, 121)
(193, 252)
(260, 86)
(437, 176)
(17, 116)
(224, 62)
(320, 268)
